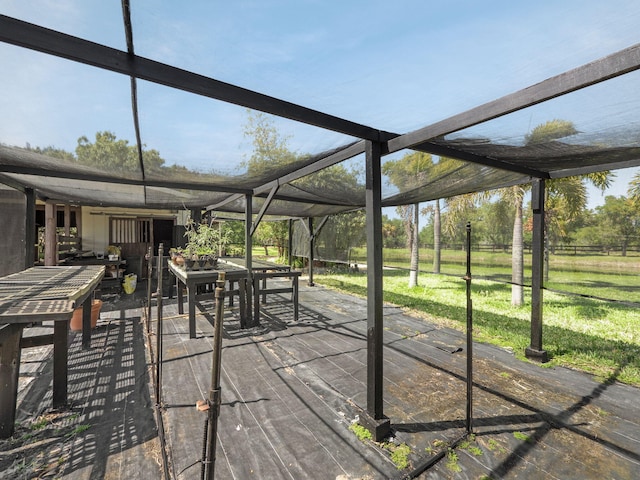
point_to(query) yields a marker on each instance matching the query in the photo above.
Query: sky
(396, 66)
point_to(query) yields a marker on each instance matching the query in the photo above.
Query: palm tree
(406, 173)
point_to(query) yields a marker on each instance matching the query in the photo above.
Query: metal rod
(469, 422)
(149, 281)
(159, 327)
(214, 392)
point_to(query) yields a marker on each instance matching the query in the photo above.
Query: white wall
(95, 223)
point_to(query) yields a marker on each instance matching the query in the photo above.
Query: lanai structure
(140, 81)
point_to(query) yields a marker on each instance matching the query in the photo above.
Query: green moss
(361, 432)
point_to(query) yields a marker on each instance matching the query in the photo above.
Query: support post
(10, 336)
(149, 281)
(535, 351)
(248, 258)
(374, 420)
(50, 237)
(469, 336)
(290, 244)
(67, 220)
(30, 228)
(311, 247)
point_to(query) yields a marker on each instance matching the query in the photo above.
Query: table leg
(242, 297)
(180, 297)
(60, 368)
(10, 336)
(256, 302)
(264, 287)
(231, 283)
(295, 298)
(191, 305)
(86, 323)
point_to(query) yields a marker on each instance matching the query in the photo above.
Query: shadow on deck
(290, 391)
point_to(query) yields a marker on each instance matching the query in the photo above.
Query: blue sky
(392, 65)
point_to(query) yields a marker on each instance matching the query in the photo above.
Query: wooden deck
(290, 390)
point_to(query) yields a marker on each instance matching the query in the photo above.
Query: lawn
(602, 338)
(603, 276)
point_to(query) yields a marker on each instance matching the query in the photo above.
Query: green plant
(361, 432)
(41, 423)
(205, 239)
(452, 461)
(78, 429)
(494, 446)
(399, 454)
(522, 436)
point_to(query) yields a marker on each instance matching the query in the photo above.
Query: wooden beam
(264, 208)
(34, 37)
(333, 159)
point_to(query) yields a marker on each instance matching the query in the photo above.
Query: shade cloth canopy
(175, 95)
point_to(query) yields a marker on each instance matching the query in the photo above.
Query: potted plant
(204, 241)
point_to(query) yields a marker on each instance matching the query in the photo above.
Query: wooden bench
(260, 289)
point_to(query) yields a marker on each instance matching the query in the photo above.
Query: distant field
(602, 276)
(611, 277)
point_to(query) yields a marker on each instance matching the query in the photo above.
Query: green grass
(602, 338)
(600, 275)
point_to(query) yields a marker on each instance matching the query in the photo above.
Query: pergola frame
(374, 143)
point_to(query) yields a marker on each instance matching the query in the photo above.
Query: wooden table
(193, 278)
(35, 295)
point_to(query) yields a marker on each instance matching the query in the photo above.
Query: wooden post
(535, 351)
(67, 220)
(290, 244)
(311, 246)
(248, 259)
(374, 420)
(30, 228)
(50, 236)
(10, 335)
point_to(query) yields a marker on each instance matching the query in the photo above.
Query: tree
(273, 233)
(109, 154)
(270, 148)
(406, 173)
(565, 198)
(621, 221)
(393, 235)
(271, 154)
(54, 152)
(634, 189)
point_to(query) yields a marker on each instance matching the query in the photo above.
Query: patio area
(291, 390)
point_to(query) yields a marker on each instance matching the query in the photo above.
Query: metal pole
(311, 247)
(469, 335)
(214, 392)
(149, 281)
(159, 327)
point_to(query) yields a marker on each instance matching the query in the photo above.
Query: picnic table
(39, 294)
